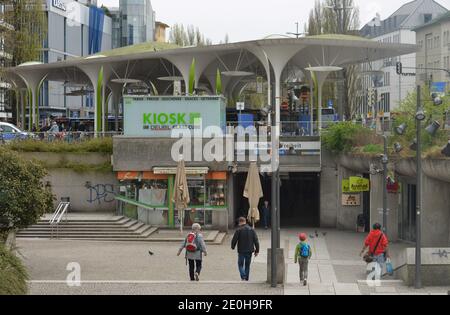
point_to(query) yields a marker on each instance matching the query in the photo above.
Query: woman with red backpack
(195, 247)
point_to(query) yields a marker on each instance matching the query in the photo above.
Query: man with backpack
(195, 247)
(303, 254)
(247, 242)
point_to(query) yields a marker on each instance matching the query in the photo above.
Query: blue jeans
(265, 218)
(244, 261)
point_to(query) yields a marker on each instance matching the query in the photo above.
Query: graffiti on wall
(100, 193)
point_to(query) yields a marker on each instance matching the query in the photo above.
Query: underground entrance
(299, 198)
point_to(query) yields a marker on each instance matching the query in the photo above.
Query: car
(9, 132)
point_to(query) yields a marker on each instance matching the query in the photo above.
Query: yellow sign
(359, 184)
(345, 186)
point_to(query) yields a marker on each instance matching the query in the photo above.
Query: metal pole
(418, 276)
(385, 162)
(274, 211)
(278, 210)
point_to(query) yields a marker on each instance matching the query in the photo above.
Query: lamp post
(385, 161)
(419, 118)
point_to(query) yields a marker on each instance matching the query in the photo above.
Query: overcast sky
(253, 19)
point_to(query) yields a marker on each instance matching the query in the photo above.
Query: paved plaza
(128, 268)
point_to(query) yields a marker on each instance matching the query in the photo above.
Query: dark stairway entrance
(299, 202)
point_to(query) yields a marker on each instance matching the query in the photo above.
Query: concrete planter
(357, 163)
(438, 169)
(55, 159)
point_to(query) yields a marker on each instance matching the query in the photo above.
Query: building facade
(76, 28)
(380, 78)
(133, 23)
(5, 107)
(434, 41)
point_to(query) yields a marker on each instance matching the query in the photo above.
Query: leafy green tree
(406, 115)
(23, 196)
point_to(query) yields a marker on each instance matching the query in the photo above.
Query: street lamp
(446, 150)
(322, 73)
(400, 130)
(298, 33)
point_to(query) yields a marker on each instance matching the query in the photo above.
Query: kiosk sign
(158, 116)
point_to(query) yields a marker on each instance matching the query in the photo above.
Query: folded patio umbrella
(253, 192)
(181, 197)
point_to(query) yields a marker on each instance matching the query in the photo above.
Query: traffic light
(399, 67)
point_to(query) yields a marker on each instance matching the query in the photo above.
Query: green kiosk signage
(158, 116)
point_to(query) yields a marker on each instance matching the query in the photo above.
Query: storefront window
(216, 193)
(154, 193)
(128, 189)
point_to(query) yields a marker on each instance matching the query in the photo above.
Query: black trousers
(194, 266)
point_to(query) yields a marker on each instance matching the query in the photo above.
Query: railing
(60, 213)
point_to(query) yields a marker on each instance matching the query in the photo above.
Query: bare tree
(189, 36)
(339, 17)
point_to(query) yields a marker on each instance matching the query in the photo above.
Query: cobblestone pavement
(127, 268)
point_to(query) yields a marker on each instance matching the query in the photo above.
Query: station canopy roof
(152, 60)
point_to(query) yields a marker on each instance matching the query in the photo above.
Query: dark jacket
(246, 240)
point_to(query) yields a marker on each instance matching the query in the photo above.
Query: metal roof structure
(149, 61)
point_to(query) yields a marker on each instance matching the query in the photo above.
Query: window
(427, 18)
(7, 129)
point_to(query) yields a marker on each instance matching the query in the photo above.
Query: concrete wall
(376, 204)
(435, 213)
(91, 191)
(329, 189)
(96, 197)
(347, 216)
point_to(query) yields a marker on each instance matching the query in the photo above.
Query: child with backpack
(303, 254)
(195, 247)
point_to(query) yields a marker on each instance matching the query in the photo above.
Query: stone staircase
(106, 228)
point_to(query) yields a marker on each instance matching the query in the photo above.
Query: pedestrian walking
(246, 240)
(377, 246)
(195, 247)
(265, 215)
(302, 255)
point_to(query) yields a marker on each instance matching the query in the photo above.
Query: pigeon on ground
(311, 236)
(317, 234)
(151, 253)
(324, 233)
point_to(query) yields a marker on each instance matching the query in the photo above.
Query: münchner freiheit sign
(158, 116)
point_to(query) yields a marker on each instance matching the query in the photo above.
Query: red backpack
(191, 242)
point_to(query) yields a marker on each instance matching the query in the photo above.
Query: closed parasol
(181, 192)
(253, 192)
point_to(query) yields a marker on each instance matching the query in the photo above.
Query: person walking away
(265, 215)
(302, 255)
(53, 131)
(377, 244)
(195, 247)
(246, 240)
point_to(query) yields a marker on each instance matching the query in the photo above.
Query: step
(81, 228)
(136, 226)
(150, 230)
(81, 223)
(82, 237)
(220, 238)
(79, 234)
(211, 236)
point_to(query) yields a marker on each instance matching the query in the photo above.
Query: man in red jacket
(378, 244)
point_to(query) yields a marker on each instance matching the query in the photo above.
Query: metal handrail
(60, 213)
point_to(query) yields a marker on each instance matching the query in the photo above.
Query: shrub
(23, 196)
(13, 275)
(344, 136)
